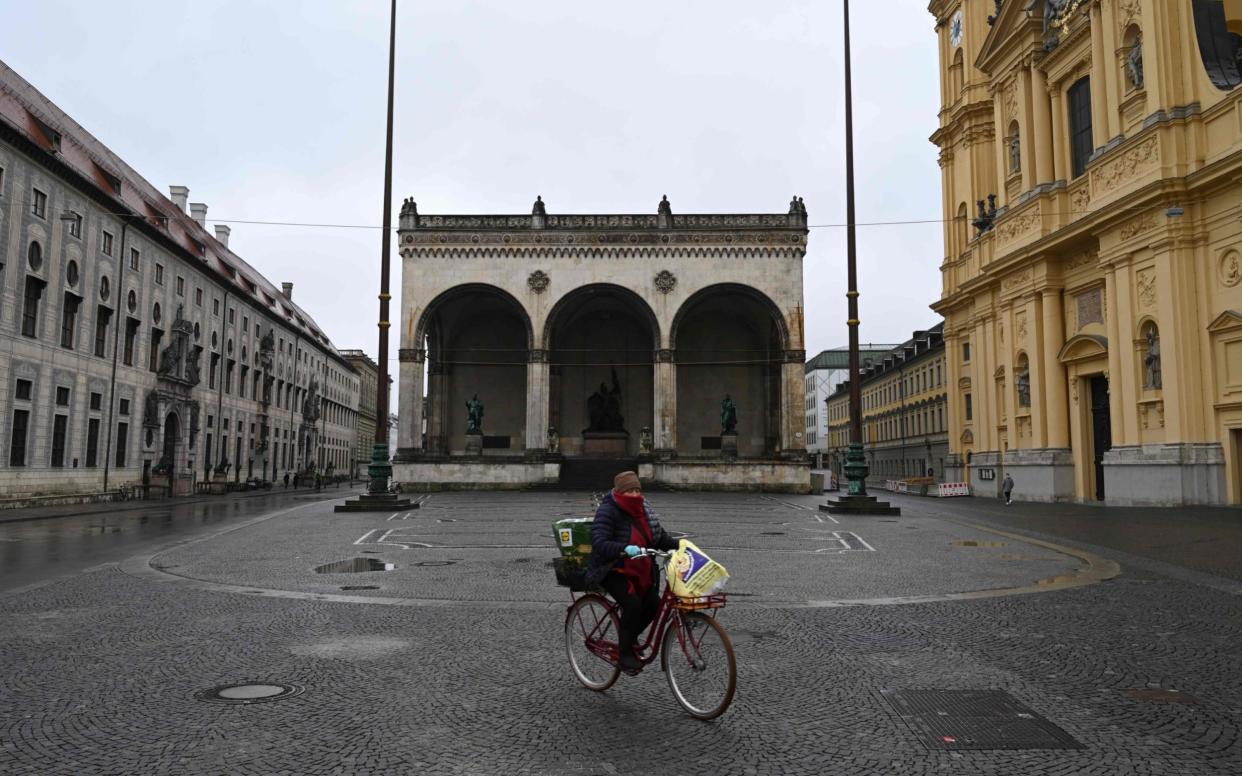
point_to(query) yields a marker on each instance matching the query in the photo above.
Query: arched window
(1082, 142)
(1219, 32)
(1015, 149)
(957, 78)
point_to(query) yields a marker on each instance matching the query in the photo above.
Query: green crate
(573, 536)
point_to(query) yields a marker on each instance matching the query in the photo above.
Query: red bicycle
(695, 651)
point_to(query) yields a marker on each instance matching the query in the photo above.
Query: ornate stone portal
(622, 361)
(170, 417)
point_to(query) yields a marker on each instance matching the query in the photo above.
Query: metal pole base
(377, 498)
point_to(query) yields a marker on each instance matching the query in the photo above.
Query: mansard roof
(32, 117)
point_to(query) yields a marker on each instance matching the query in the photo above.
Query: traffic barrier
(950, 489)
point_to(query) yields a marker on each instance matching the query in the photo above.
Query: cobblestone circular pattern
(246, 693)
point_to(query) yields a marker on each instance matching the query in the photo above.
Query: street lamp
(857, 501)
(377, 497)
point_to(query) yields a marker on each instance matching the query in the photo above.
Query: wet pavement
(456, 663)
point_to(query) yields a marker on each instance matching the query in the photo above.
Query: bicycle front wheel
(700, 666)
(591, 632)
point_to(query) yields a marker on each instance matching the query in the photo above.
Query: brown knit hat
(626, 481)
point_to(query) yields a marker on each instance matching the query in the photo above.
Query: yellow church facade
(1091, 157)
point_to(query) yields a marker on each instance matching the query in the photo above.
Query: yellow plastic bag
(691, 574)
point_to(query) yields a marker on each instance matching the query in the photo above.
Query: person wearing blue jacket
(624, 526)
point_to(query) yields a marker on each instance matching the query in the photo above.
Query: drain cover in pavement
(360, 587)
(355, 565)
(975, 719)
(244, 694)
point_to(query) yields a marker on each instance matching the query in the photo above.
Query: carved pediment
(968, 437)
(1083, 347)
(1226, 321)
(1013, 26)
(964, 383)
(999, 374)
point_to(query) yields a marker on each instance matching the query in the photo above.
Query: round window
(105, 289)
(34, 254)
(155, 313)
(132, 301)
(71, 273)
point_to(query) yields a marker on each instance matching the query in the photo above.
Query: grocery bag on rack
(692, 574)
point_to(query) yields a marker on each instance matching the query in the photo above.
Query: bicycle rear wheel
(700, 666)
(591, 631)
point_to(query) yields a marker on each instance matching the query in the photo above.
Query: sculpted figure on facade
(1134, 63)
(1151, 361)
(170, 358)
(1022, 381)
(474, 415)
(193, 373)
(604, 407)
(310, 405)
(728, 416)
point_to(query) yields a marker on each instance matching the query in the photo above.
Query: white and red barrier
(951, 489)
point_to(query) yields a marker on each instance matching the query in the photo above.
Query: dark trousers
(636, 613)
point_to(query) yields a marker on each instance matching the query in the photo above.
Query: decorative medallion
(538, 281)
(1230, 268)
(665, 281)
(1146, 288)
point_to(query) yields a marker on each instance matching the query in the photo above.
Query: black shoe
(629, 662)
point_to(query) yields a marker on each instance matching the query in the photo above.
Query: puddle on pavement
(355, 565)
(973, 543)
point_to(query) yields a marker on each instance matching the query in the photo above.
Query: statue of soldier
(728, 416)
(474, 416)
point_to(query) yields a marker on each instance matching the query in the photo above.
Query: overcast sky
(274, 111)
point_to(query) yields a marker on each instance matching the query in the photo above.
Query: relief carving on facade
(1011, 101)
(665, 282)
(1153, 415)
(1138, 225)
(1146, 288)
(1230, 269)
(1117, 172)
(1013, 281)
(1090, 307)
(1013, 228)
(538, 281)
(1128, 12)
(1080, 200)
(1020, 325)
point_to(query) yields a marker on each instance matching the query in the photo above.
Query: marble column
(1055, 404)
(537, 400)
(1041, 127)
(664, 435)
(1059, 137)
(409, 402)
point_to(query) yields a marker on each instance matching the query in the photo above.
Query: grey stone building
(137, 348)
(364, 436)
(673, 343)
(905, 422)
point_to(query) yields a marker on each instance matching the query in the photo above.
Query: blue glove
(633, 550)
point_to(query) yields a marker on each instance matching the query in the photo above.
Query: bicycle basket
(571, 574)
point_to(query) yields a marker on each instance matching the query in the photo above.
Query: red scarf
(637, 571)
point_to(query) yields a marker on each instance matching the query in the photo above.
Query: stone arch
(1219, 35)
(601, 340)
(729, 340)
(476, 338)
(1082, 348)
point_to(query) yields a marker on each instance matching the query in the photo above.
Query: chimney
(180, 196)
(198, 211)
(287, 290)
(222, 234)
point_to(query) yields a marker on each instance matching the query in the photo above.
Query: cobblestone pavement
(101, 669)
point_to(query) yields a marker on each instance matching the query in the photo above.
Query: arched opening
(601, 341)
(172, 437)
(1218, 28)
(961, 227)
(957, 77)
(729, 342)
(477, 341)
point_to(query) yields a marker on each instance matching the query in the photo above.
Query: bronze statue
(1151, 361)
(728, 416)
(474, 416)
(604, 408)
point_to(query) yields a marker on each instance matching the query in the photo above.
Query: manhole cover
(245, 694)
(975, 719)
(360, 587)
(974, 543)
(354, 565)
(447, 520)
(772, 533)
(435, 563)
(1162, 696)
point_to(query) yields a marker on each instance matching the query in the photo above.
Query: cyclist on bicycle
(623, 528)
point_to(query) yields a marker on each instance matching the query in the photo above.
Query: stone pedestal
(728, 446)
(605, 444)
(859, 505)
(474, 445)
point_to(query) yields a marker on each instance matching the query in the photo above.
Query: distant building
(822, 376)
(364, 437)
(904, 396)
(137, 347)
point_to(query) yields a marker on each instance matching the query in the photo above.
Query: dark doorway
(172, 432)
(1101, 430)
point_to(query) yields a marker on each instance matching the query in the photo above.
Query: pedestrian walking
(318, 481)
(286, 480)
(1007, 488)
